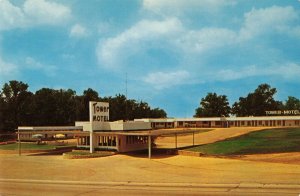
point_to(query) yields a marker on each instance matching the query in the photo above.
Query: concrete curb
(153, 184)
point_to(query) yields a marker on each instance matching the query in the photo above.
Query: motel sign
(283, 112)
(99, 111)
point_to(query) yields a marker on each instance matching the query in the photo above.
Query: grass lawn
(267, 141)
(87, 154)
(27, 146)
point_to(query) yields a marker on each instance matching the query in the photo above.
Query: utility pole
(126, 112)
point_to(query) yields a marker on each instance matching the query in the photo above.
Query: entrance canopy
(77, 130)
(158, 132)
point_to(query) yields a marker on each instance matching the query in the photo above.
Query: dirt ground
(288, 158)
(206, 137)
(161, 168)
(124, 168)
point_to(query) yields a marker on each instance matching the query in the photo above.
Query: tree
(88, 95)
(50, 107)
(292, 103)
(55, 107)
(117, 107)
(15, 97)
(158, 113)
(213, 106)
(45, 102)
(2, 105)
(66, 107)
(257, 102)
(122, 108)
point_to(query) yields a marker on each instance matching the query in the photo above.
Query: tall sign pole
(91, 128)
(99, 114)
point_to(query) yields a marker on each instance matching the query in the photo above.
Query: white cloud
(105, 27)
(288, 71)
(235, 74)
(7, 69)
(177, 6)
(112, 51)
(44, 12)
(10, 15)
(196, 47)
(274, 18)
(33, 12)
(33, 64)
(161, 80)
(294, 31)
(78, 31)
(205, 39)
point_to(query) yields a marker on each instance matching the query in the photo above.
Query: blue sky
(173, 51)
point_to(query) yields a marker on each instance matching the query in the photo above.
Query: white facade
(252, 121)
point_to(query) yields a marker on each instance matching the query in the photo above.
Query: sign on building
(99, 112)
(283, 112)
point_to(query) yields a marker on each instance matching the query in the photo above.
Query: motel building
(100, 134)
(223, 122)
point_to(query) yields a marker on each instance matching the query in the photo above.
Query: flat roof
(231, 118)
(50, 128)
(157, 132)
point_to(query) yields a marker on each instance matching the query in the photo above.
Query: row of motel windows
(133, 139)
(242, 123)
(264, 123)
(102, 140)
(112, 140)
(162, 124)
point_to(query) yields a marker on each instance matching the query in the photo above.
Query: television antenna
(126, 114)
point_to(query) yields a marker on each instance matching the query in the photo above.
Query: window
(267, 123)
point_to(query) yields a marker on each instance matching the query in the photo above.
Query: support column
(193, 138)
(149, 146)
(117, 143)
(176, 141)
(91, 142)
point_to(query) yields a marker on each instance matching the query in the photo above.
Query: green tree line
(49, 107)
(254, 104)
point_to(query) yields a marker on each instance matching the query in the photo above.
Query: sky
(172, 52)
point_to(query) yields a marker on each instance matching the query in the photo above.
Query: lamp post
(19, 142)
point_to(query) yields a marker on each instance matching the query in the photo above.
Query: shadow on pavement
(156, 153)
(56, 152)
